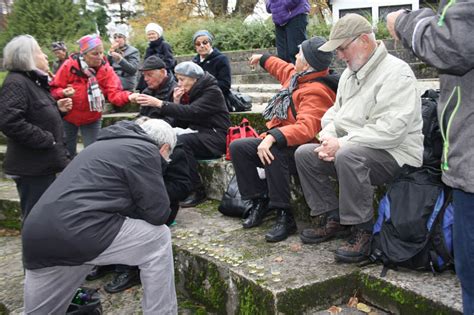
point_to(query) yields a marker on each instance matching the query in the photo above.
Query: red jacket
(70, 74)
(311, 99)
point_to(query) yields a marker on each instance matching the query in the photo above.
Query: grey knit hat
(202, 33)
(189, 69)
(316, 58)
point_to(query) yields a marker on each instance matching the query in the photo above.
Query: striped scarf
(278, 105)
(94, 94)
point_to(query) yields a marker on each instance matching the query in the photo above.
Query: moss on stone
(321, 295)
(11, 214)
(398, 300)
(204, 283)
(253, 299)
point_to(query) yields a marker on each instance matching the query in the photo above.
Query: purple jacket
(284, 10)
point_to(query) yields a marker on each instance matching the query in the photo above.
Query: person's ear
(165, 151)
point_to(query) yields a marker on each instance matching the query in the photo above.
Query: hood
(201, 85)
(124, 129)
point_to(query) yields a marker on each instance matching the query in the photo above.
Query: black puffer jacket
(30, 118)
(218, 65)
(206, 112)
(164, 93)
(81, 213)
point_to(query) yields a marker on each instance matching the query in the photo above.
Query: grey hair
(19, 53)
(159, 130)
(303, 59)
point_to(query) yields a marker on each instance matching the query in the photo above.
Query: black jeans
(195, 150)
(289, 36)
(277, 183)
(30, 189)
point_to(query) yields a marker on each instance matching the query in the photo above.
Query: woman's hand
(133, 97)
(69, 91)
(263, 150)
(116, 56)
(147, 100)
(255, 59)
(65, 105)
(177, 94)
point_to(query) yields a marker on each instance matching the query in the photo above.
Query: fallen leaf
(279, 259)
(295, 247)
(363, 307)
(353, 301)
(334, 310)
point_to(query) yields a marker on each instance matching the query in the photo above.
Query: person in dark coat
(210, 59)
(291, 19)
(202, 120)
(31, 119)
(109, 206)
(124, 58)
(160, 85)
(178, 186)
(157, 47)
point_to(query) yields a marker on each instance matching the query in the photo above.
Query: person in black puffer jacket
(202, 120)
(30, 118)
(212, 60)
(157, 47)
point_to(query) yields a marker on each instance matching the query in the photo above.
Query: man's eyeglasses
(342, 49)
(204, 42)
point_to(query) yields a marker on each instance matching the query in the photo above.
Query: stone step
(215, 261)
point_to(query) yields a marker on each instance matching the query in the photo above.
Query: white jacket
(379, 107)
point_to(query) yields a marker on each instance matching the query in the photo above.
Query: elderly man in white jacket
(373, 129)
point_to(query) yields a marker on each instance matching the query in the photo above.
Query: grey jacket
(82, 212)
(127, 68)
(378, 107)
(445, 42)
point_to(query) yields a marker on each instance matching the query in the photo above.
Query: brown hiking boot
(332, 229)
(356, 249)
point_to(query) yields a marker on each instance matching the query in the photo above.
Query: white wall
(338, 5)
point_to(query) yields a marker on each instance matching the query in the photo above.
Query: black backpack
(414, 225)
(433, 141)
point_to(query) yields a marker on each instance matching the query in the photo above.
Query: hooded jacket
(284, 10)
(218, 65)
(30, 119)
(81, 213)
(71, 74)
(311, 100)
(447, 47)
(206, 112)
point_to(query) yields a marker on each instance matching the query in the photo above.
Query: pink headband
(88, 42)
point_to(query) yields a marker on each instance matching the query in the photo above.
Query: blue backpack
(414, 225)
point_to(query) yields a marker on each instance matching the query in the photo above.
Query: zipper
(445, 135)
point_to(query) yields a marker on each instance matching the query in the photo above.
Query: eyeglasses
(342, 49)
(118, 36)
(204, 42)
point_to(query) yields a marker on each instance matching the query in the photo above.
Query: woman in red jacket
(88, 79)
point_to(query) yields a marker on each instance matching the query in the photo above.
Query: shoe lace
(356, 237)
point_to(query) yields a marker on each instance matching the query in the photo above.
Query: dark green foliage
(48, 21)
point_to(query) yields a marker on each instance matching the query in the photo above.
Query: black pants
(30, 189)
(195, 150)
(277, 183)
(289, 36)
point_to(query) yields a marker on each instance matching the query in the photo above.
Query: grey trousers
(50, 290)
(357, 169)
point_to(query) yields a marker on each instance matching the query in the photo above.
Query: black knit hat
(152, 63)
(318, 60)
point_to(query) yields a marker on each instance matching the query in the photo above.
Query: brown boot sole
(312, 240)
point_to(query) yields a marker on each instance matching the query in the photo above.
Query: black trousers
(195, 150)
(30, 189)
(277, 183)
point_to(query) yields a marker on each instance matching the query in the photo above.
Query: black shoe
(194, 199)
(356, 249)
(256, 214)
(284, 227)
(123, 281)
(99, 271)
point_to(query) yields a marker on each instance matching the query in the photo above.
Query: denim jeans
(463, 248)
(89, 134)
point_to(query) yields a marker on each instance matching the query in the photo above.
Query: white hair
(303, 59)
(159, 130)
(19, 53)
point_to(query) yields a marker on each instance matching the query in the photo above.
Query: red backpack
(244, 130)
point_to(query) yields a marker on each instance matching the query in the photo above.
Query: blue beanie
(202, 33)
